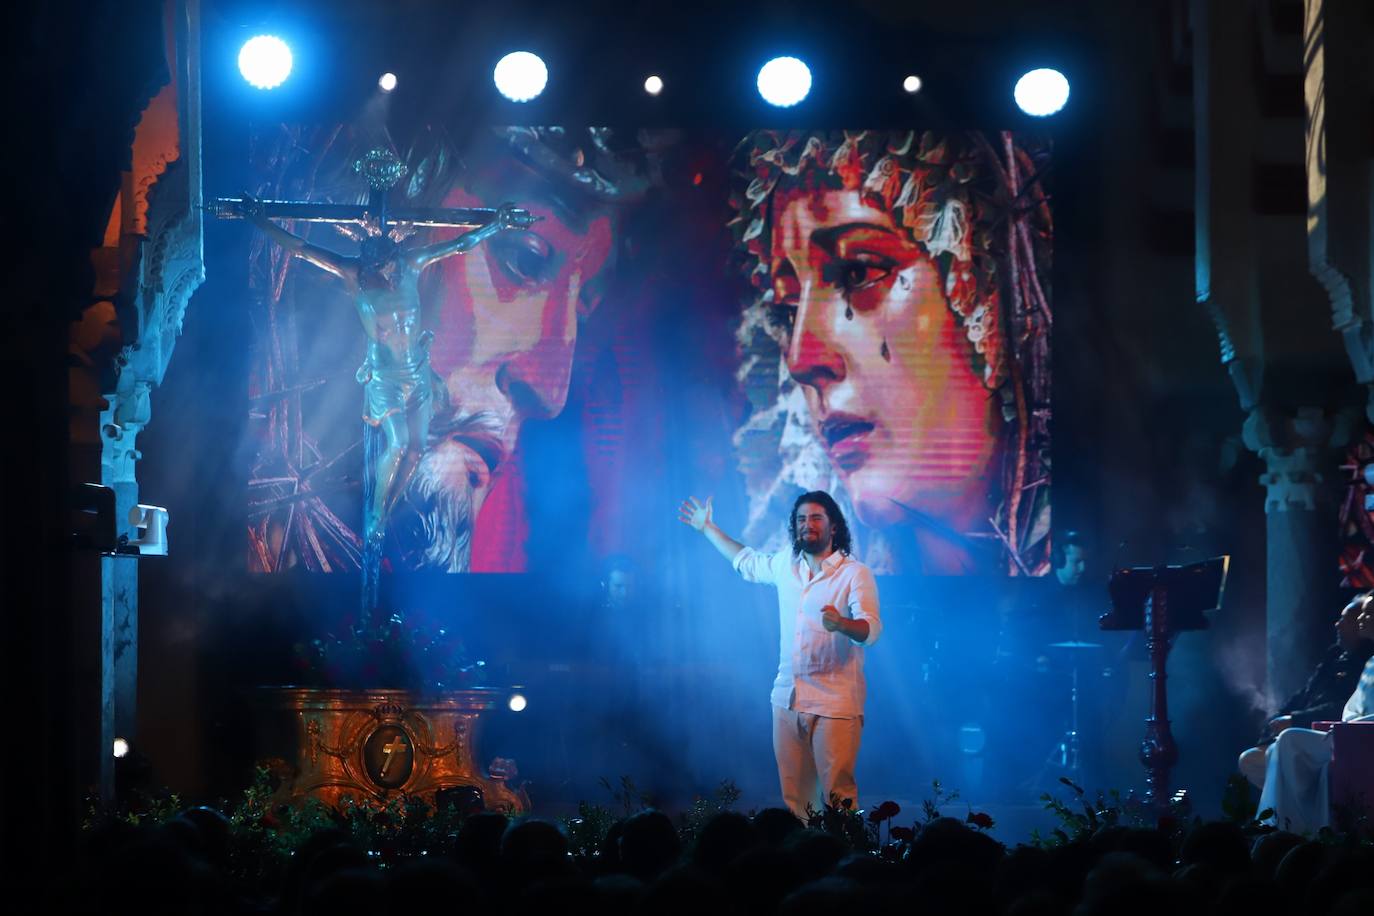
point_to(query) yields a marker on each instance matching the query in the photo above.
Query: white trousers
(1295, 785)
(816, 756)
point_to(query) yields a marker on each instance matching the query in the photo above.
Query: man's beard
(434, 521)
(816, 547)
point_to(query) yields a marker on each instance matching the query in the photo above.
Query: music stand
(1163, 601)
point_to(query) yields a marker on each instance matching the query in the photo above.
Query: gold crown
(388, 711)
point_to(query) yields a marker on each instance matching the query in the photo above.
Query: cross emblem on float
(392, 748)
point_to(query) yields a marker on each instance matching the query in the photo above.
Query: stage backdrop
(745, 315)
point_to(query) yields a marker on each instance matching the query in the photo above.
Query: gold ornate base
(378, 744)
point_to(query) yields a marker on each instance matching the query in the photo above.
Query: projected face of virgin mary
(887, 371)
(879, 263)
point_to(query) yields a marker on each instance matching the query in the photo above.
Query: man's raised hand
(694, 513)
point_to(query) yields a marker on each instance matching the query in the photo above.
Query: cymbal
(1074, 644)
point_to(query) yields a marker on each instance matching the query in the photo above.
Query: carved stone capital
(1291, 478)
(128, 412)
(1296, 450)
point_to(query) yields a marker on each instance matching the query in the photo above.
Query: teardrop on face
(887, 354)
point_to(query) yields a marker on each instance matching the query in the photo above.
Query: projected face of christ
(504, 344)
(886, 370)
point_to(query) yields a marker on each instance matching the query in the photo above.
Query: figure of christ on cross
(383, 281)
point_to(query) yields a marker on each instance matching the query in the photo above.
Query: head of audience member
(351, 892)
(478, 845)
(649, 844)
(534, 850)
(1269, 849)
(773, 825)
(814, 852)
(947, 840)
(1220, 845)
(723, 839)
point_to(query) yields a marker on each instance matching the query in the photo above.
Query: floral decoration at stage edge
(389, 653)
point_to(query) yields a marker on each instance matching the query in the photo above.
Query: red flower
(885, 811)
(980, 820)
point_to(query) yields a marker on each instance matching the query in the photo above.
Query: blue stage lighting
(517, 702)
(784, 81)
(1041, 92)
(265, 61)
(520, 76)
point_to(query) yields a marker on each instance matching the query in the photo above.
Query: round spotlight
(912, 84)
(265, 61)
(1041, 92)
(520, 76)
(517, 702)
(120, 748)
(653, 85)
(784, 81)
(386, 82)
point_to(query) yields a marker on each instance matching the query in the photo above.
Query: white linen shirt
(1360, 706)
(819, 672)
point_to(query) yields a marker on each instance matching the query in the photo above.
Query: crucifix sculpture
(383, 281)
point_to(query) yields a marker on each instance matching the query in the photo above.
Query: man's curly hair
(840, 539)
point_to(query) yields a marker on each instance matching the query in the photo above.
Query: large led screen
(748, 316)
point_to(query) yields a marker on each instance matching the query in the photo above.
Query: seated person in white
(1295, 784)
(1324, 695)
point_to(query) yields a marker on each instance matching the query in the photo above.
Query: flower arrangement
(391, 652)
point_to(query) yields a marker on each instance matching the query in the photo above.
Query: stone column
(1300, 551)
(120, 424)
(153, 262)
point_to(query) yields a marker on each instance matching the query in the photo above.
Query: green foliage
(690, 822)
(1082, 816)
(587, 830)
(840, 818)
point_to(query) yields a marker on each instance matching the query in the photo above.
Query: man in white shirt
(828, 611)
(1295, 783)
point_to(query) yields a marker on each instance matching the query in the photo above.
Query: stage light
(520, 76)
(912, 84)
(121, 748)
(653, 85)
(784, 81)
(265, 61)
(386, 82)
(1041, 92)
(517, 702)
